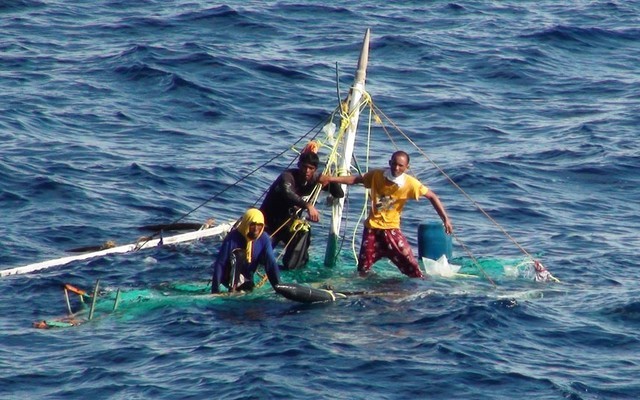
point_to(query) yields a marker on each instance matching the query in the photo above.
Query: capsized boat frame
(342, 164)
(72, 319)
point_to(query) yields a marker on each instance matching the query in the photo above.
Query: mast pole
(354, 99)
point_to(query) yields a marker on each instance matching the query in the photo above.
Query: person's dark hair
(309, 158)
(401, 153)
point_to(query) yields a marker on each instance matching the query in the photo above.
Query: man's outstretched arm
(437, 205)
(347, 180)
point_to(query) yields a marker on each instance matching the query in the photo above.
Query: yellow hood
(252, 216)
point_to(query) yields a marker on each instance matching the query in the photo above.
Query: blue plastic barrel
(433, 242)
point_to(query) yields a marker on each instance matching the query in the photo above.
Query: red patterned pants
(389, 243)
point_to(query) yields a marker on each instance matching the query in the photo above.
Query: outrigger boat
(90, 303)
(340, 161)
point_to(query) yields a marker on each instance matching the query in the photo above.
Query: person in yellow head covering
(243, 249)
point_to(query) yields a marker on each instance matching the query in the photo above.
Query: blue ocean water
(120, 114)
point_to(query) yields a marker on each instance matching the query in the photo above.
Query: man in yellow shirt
(390, 190)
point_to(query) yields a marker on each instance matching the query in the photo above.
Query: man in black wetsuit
(287, 197)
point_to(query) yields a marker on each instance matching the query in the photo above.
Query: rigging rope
(232, 185)
(540, 269)
(331, 167)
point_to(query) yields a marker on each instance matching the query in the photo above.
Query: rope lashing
(299, 225)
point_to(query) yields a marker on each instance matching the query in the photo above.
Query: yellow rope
(365, 204)
(280, 227)
(299, 225)
(345, 121)
(263, 280)
(332, 163)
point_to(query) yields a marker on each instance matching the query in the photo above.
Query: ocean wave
(587, 37)
(625, 313)
(20, 5)
(222, 12)
(140, 71)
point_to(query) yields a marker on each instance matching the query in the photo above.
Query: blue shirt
(261, 253)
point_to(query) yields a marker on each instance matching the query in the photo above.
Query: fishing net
(493, 268)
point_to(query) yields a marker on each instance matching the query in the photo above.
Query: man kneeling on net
(242, 250)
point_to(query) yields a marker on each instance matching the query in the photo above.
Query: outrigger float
(144, 243)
